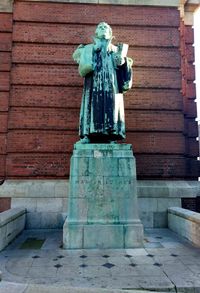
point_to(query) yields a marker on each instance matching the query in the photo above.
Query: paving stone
(69, 272)
(95, 260)
(44, 271)
(97, 271)
(136, 251)
(166, 259)
(10, 287)
(142, 260)
(119, 260)
(180, 265)
(153, 245)
(195, 269)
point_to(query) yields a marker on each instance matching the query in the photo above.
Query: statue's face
(103, 31)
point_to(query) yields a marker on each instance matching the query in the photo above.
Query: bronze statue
(108, 74)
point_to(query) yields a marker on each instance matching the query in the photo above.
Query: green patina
(107, 72)
(32, 243)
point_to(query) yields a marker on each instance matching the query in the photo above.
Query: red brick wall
(189, 96)
(46, 89)
(5, 204)
(5, 66)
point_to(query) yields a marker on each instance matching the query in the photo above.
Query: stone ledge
(35, 288)
(59, 188)
(186, 214)
(12, 222)
(168, 188)
(185, 223)
(11, 215)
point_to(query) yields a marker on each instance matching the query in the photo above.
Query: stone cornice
(6, 5)
(186, 7)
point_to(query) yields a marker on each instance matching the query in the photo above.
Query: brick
(190, 108)
(2, 144)
(3, 122)
(67, 13)
(46, 75)
(192, 147)
(62, 54)
(61, 119)
(63, 141)
(60, 96)
(4, 81)
(156, 142)
(190, 72)
(189, 34)
(157, 78)
(38, 165)
(5, 22)
(154, 121)
(36, 118)
(51, 165)
(191, 127)
(5, 61)
(155, 57)
(182, 27)
(68, 76)
(77, 34)
(189, 53)
(4, 96)
(2, 166)
(5, 204)
(41, 141)
(190, 90)
(160, 166)
(43, 96)
(43, 53)
(192, 168)
(155, 99)
(5, 41)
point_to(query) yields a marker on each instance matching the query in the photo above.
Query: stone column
(103, 210)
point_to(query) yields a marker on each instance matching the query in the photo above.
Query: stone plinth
(102, 209)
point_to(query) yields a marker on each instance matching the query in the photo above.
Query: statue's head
(103, 31)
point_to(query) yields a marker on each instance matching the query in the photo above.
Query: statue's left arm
(124, 75)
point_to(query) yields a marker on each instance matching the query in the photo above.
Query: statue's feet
(84, 140)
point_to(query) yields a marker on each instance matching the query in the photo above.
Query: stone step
(8, 287)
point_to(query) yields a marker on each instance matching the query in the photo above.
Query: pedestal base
(102, 236)
(102, 209)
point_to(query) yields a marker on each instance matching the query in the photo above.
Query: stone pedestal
(102, 208)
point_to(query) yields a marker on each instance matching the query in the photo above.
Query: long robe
(102, 108)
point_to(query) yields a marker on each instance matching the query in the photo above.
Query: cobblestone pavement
(165, 263)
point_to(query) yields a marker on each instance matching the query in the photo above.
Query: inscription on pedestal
(102, 208)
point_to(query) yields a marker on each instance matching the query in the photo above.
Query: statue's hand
(77, 53)
(97, 44)
(119, 60)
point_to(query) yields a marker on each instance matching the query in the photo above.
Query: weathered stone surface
(12, 222)
(186, 223)
(102, 206)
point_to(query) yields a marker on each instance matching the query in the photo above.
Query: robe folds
(102, 107)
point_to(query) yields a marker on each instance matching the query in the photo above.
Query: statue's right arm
(83, 55)
(77, 53)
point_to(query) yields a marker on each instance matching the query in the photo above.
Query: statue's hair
(103, 22)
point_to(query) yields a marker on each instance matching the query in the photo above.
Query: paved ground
(166, 263)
